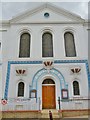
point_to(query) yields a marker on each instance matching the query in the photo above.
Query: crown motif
(20, 71)
(76, 70)
(48, 64)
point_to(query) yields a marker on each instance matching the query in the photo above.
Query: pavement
(68, 118)
(80, 118)
(77, 118)
(49, 119)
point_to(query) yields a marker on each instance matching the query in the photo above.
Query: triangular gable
(38, 15)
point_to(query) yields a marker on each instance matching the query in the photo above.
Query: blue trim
(7, 81)
(43, 72)
(70, 61)
(54, 72)
(8, 72)
(40, 62)
(77, 61)
(25, 62)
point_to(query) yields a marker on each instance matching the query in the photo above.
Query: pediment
(46, 14)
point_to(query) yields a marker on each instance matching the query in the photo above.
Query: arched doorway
(48, 94)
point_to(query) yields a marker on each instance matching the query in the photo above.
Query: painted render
(35, 23)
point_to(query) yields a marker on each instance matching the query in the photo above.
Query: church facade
(45, 61)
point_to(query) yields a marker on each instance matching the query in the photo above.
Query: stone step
(30, 119)
(45, 113)
(47, 116)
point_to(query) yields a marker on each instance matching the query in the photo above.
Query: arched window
(76, 90)
(48, 81)
(21, 89)
(69, 44)
(47, 45)
(24, 50)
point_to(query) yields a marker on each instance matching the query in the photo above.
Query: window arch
(24, 50)
(47, 45)
(69, 44)
(48, 81)
(76, 90)
(20, 89)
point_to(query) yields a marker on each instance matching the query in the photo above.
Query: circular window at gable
(46, 15)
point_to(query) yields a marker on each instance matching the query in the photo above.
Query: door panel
(48, 97)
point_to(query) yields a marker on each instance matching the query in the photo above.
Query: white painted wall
(11, 38)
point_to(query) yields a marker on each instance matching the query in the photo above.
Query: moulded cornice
(52, 8)
(26, 13)
(4, 21)
(64, 12)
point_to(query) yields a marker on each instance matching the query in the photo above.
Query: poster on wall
(64, 94)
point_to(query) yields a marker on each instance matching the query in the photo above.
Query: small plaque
(33, 94)
(64, 94)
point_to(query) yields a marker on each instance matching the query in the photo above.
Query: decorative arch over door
(54, 72)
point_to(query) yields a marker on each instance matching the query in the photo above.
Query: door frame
(57, 88)
(54, 93)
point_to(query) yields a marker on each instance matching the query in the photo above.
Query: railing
(21, 104)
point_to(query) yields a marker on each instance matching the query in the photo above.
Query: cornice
(4, 22)
(18, 23)
(45, 6)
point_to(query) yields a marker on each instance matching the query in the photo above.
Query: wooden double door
(48, 97)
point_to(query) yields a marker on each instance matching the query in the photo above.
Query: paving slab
(45, 119)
